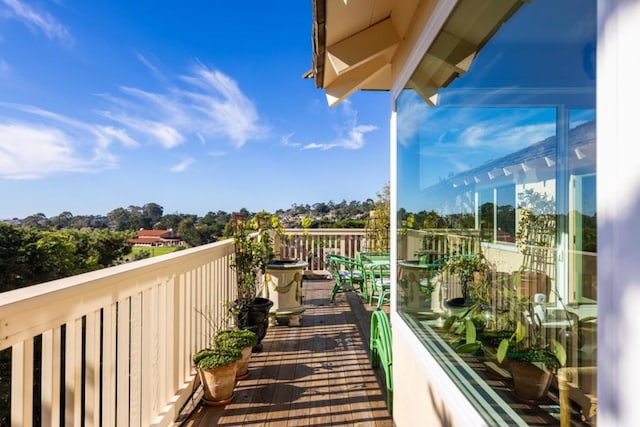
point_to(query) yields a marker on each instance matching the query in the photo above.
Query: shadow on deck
(317, 374)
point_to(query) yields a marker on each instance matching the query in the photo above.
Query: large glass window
(496, 183)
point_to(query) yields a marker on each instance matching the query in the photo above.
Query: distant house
(156, 238)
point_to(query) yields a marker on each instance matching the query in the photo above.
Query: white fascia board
(430, 31)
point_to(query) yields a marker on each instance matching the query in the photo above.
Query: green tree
(14, 267)
(137, 219)
(119, 219)
(189, 233)
(30, 256)
(39, 221)
(62, 221)
(152, 212)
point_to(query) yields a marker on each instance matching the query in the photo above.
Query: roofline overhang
(318, 40)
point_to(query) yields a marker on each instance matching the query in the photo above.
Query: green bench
(380, 345)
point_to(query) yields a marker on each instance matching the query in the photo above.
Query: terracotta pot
(243, 364)
(218, 384)
(530, 383)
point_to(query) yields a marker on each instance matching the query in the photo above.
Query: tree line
(197, 230)
(38, 249)
(29, 256)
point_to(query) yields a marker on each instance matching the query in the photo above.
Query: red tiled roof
(153, 233)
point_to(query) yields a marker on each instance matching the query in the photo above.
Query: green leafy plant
(210, 358)
(253, 242)
(529, 343)
(464, 266)
(235, 338)
(467, 334)
(378, 224)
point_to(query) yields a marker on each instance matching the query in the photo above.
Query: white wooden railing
(114, 346)
(313, 245)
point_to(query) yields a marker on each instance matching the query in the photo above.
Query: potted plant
(240, 339)
(217, 369)
(535, 240)
(533, 356)
(479, 326)
(253, 242)
(469, 268)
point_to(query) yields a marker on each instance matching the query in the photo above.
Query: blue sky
(197, 106)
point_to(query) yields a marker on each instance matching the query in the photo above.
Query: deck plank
(317, 374)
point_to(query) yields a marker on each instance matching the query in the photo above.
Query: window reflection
(496, 204)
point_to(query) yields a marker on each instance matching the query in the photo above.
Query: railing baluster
(135, 361)
(22, 383)
(123, 399)
(92, 370)
(109, 361)
(147, 358)
(50, 378)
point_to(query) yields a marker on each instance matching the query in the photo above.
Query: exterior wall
(618, 194)
(422, 391)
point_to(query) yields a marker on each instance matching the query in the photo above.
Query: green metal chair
(381, 354)
(346, 275)
(379, 275)
(365, 285)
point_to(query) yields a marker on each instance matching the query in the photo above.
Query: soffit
(355, 42)
(468, 28)
(359, 44)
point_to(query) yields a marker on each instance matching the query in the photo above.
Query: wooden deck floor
(316, 374)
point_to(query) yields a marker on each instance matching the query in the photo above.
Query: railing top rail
(16, 295)
(325, 231)
(34, 309)
(449, 231)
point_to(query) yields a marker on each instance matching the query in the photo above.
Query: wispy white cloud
(164, 134)
(355, 139)
(151, 67)
(316, 146)
(205, 104)
(504, 133)
(351, 135)
(37, 20)
(287, 142)
(225, 109)
(109, 134)
(205, 107)
(461, 138)
(28, 152)
(182, 166)
(42, 143)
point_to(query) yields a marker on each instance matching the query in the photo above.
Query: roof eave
(319, 42)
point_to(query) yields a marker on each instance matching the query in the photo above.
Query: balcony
(114, 346)
(318, 374)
